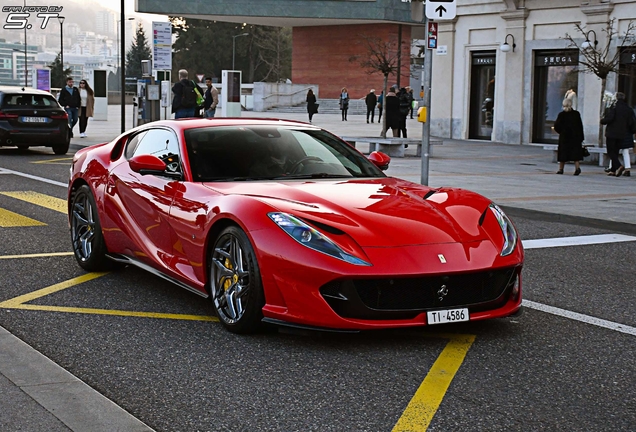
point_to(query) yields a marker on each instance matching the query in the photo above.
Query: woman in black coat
(392, 116)
(570, 129)
(312, 107)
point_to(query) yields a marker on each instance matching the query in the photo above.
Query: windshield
(29, 101)
(272, 153)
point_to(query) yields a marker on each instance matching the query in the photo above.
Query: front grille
(401, 298)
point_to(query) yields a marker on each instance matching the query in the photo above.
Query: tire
(89, 247)
(235, 282)
(61, 149)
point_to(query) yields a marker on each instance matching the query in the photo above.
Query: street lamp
(118, 47)
(122, 83)
(61, 20)
(26, 74)
(505, 47)
(25, 69)
(234, 46)
(587, 44)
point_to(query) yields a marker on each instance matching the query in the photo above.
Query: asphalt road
(539, 371)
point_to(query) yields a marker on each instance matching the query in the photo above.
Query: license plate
(447, 316)
(35, 119)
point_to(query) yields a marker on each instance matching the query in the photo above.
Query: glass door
(482, 95)
(555, 74)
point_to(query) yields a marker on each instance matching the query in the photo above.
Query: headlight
(509, 232)
(313, 239)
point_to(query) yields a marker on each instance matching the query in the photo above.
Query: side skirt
(127, 260)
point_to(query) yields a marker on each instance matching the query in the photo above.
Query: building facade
(327, 35)
(480, 91)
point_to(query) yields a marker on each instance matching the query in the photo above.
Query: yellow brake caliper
(229, 281)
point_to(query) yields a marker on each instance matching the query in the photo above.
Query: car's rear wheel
(235, 282)
(60, 149)
(86, 232)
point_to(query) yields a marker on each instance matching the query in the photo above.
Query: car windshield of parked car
(272, 153)
(29, 101)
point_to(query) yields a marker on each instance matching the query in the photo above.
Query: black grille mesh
(368, 298)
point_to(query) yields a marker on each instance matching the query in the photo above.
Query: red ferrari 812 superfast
(283, 222)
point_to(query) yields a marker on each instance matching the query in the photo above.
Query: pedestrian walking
(570, 129)
(621, 122)
(211, 99)
(393, 112)
(371, 101)
(312, 106)
(380, 100)
(405, 107)
(184, 103)
(87, 106)
(627, 163)
(71, 100)
(344, 103)
(412, 100)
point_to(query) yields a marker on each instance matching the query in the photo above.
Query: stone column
(442, 82)
(509, 96)
(597, 15)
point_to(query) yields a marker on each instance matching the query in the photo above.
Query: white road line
(576, 241)
(622, 328)
(42, 179)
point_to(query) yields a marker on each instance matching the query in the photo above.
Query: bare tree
(381, 57)
(274, 45)
(599, 61)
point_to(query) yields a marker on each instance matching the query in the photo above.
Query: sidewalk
(517, 177)
(521, 178)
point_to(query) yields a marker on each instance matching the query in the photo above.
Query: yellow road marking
(54, 161)
(424, 404)
(114, 312)
(10, 219)
(20, 303)
(416, 417)
(40, 255)
(42, 200)
(17, 301)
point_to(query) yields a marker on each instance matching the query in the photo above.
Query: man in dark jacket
(620, 122)
(211, 97)
(371, 101)
(405, 108)
(70, 99)
(182, 107)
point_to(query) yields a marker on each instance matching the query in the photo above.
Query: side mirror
(380, 160)
(149, 164)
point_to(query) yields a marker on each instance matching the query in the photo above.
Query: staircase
(327, 106)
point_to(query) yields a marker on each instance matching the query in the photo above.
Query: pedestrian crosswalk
(10, 219)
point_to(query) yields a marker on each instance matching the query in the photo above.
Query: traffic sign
(441, 10)
(200, 77)
(431, 35)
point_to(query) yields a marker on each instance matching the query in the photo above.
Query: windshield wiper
(231, 179)
(312, 176)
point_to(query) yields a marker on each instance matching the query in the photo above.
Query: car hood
(384, 212)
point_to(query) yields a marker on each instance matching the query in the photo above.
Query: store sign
(628, 58)
(557, 60)
(484, 61)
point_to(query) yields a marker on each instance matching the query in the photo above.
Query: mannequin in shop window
(571, 96)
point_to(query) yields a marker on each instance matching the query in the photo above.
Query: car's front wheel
(235, 282)
(89, 247)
